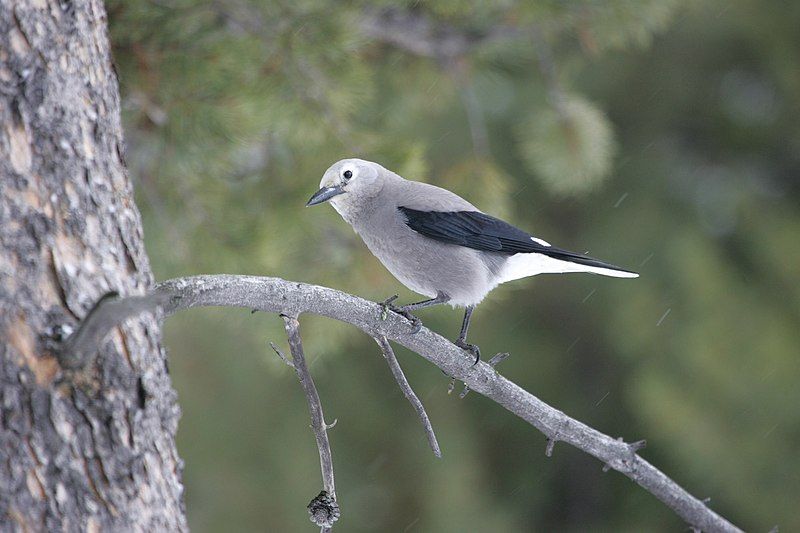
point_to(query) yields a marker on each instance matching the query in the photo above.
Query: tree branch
(424, 36)
(291, 298)
(547, 67)
(408, 392)
(81, 347)
(323, 509)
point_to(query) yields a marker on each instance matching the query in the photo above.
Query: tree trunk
(92, 449)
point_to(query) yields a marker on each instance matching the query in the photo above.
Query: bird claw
(471, 348)
(387, 306)
(416, 323)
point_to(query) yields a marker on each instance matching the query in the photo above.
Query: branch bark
(293, 298)
(408, 392)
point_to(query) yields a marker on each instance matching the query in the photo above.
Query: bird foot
(416, 323)
(471, 348)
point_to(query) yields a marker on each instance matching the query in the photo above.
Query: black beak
(324, 194)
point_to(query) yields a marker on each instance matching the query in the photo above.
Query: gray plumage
(436, 243)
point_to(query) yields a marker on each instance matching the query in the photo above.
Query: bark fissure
(69, 231)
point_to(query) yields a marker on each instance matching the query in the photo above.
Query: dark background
(658, 135)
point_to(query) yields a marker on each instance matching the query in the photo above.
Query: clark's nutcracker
(438, 244)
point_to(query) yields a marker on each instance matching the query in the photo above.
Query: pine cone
(323, 510)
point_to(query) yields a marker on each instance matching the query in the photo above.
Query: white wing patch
(540, 241)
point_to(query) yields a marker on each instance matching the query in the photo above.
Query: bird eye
(348, 174)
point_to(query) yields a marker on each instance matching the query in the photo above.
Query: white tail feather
(524, 265)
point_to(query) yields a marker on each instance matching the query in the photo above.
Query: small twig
(451, 386)
(284, 358)
(498, 358)
(464, 392)
(636, 446)
(547, 67)
(414, 32)
(408, 392)
(555, 94)
(548, 449)
(553, 438)
(472, 106)
(323, 509)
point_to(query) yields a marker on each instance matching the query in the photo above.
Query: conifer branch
(421, 35)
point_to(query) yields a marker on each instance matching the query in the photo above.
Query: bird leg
(461, 341)
(405, 310)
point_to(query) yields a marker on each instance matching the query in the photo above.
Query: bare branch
(82, 346)
(280, 354)
(547, 66)
(638, 445)
(424, 36)
(414, 33)
(548, 450)
(292, 298)
(475, 117)
(498, 358)
(323, 509)
(408, 392)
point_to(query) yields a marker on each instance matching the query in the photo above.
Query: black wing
(480, 231)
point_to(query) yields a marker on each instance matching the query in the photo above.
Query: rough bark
(95, 449)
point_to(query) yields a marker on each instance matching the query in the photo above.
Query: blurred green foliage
(662, 135)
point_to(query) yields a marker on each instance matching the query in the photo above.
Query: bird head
(348, 183)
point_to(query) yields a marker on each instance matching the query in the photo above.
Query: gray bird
(437, 244)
